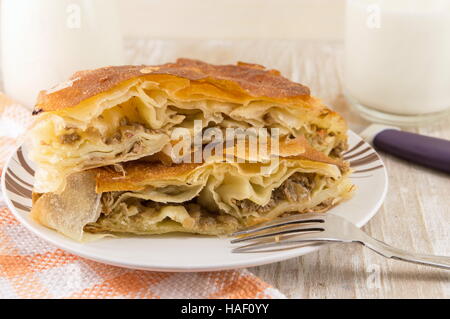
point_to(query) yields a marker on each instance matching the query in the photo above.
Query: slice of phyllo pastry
(214, 197)
(119, 114)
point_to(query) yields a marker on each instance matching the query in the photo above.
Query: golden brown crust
(244, 79)
(35, 197)
(136, 174)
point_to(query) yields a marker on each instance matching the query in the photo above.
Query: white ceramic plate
(189, 252)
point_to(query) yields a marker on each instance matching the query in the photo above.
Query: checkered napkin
(30, 268)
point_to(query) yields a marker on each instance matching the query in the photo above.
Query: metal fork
(322, 228)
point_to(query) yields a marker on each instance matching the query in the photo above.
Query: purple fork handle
(424, 150)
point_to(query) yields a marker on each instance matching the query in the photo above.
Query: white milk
(398, 55)
(45, 41)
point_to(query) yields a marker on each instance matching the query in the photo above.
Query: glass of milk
(397, 59)
(46, 41)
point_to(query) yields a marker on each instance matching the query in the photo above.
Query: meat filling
(136, 212)
(296, 188)
(128, 129)
(69, 138)
(337, 151)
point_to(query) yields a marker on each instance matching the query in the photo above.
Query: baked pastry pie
(103, 145)
(117, 114)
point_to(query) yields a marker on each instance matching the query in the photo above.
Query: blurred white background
(234, 19)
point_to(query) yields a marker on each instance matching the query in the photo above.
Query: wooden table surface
(415, 215)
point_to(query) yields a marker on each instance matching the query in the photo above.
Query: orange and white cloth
(31, 268)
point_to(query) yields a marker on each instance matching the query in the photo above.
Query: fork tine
(306, 238)
(284, 231)
(289, 220)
